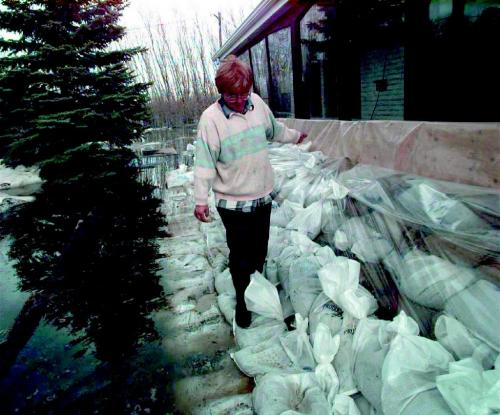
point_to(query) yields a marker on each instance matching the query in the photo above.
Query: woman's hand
(201, 212)
(302, 137)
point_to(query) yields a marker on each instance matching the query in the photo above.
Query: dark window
(457, 77)
(319, 71)
(260, 70)
(280, 56)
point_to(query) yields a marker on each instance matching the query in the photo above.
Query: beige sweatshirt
(231, 154)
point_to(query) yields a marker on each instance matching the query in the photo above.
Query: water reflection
(84, 341)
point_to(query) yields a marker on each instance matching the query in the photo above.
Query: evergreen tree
(86, 247)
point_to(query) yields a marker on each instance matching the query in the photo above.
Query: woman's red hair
(233, 76)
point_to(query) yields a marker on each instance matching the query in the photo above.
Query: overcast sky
(168, 10)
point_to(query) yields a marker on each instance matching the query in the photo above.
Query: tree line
(177, 60)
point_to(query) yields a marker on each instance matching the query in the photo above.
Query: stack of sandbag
(380, 231)
(289, 355)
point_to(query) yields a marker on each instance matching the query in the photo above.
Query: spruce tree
(86, 248)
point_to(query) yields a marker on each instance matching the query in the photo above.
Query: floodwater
(52, 375)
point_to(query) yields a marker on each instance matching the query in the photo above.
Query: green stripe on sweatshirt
(249, 141)
(205, 157)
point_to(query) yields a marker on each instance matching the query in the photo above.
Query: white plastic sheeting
(346, 243)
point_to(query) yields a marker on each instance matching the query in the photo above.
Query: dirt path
(196, 336)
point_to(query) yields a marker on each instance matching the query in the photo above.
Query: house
(429, 60)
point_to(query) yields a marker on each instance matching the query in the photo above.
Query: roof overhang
(264, 13)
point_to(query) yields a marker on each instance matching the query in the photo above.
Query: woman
(232, 158)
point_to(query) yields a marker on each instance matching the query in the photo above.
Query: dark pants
(247, 235)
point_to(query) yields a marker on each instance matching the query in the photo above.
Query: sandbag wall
(379, 295)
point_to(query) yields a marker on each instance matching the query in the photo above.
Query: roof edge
(250, 25)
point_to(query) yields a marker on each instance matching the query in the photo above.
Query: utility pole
(218, 16)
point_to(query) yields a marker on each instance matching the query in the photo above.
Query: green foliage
(70, 106)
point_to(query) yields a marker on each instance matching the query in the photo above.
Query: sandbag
(431, 281)
(224, 282)
(469, 390)
(297, 346)
(271, 271)
(262, 358)
(404, 378)
(369, 351)
(352, 230)
(345, 405)
(340, 281)
(261, 329)
(325, 311)
(429, 204)
(343, 361)
(277, 394)
(332, 217)
(363, 405)
(284, 261)
(371, 250)
(308, 221)
(284, 214)
(325, 347)
(460, 342)
(304, 284)
(478, 308)
(262, 298)
(227, 305)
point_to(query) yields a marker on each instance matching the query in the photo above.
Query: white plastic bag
(262, 297)
(431, 281)
(325, 348)
(410, 369)
(469, 390)
(303, 284)
(224, 282)
(289, 394)
(364, 407)
(459, 341)
(323, 310)
(297, 346)
(340, 282)
(261, 330)
(352, 230)
(370, 346)
(303, 243)
(325, 255)
(478, 309)
(227, 305)
(265, 357)
(271, 271)
(279, 238)
(369, 351)
(432, 205)
(331, 218)
(308, 221)
(343, 361)
(371, 250)
(285, 260)
(283, 215)
(345, 405)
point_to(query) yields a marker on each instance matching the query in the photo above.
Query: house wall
(378, 64)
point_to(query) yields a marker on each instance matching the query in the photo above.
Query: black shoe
(243, 316)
